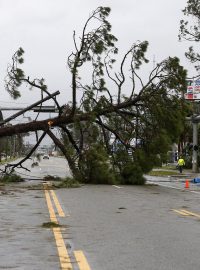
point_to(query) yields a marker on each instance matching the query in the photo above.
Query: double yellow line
(65, 261)
(184, 212)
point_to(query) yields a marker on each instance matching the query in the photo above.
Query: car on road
(46, 157)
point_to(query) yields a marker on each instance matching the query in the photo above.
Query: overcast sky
(44, 28)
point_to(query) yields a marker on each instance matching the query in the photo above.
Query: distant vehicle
(34, 164)
(46, 157)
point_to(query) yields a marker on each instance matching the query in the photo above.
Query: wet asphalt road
(24, 244)
(53, 166)
(125, 227)
(134, 227)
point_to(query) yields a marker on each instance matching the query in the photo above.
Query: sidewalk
(176, 181)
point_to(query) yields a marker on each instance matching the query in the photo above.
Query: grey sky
(43, 28)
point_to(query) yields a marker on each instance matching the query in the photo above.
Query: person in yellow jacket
(181, 163)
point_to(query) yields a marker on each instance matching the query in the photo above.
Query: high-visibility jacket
(181, 162)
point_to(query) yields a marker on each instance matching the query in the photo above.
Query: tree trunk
(75, 171)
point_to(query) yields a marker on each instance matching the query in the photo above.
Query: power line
(12, 102)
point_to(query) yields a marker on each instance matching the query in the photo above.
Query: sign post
(193, 94)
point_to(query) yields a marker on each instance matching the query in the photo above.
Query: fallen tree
(130, 122)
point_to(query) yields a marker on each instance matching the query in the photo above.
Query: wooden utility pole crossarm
(28, 108)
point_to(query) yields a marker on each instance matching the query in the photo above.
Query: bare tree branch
(11, 167)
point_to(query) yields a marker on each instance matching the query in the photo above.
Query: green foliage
(19, 55)
(145, 160)
(131, 168)
(132, 174)
(189, 29)
(8, 178)
(177, 72)
(58, 182)
(15, 75)
(188, 162)
(121, 156)
(67, 182)
(95, 167)
(139, 51)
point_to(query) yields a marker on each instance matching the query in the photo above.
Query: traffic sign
(193, 90)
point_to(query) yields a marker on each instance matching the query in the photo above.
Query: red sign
(188, 96)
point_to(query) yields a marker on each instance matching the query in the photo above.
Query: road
(102, 227)
(53, 166)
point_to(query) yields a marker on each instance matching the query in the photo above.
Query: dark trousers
(180, 168)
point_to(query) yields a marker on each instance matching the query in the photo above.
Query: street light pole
(195, 144)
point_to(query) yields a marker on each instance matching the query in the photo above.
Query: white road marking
(116, 186)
